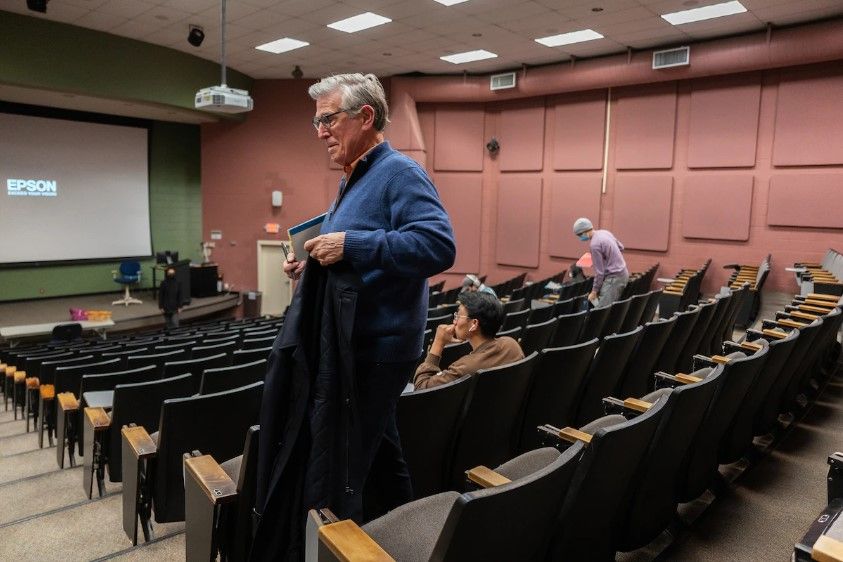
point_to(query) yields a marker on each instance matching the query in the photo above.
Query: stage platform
(144, 316)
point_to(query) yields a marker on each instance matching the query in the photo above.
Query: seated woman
(477, 320)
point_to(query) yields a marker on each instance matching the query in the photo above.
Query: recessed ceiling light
(705, 13)
(359, 22)
(597, 9)
(282, 45)
(477, 35)
(387, 54)
(450, 2)
(468, 56)
(568, 38)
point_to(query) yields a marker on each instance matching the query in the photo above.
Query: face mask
(171, 276)
(583, 237)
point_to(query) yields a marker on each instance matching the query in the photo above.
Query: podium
(203, 280)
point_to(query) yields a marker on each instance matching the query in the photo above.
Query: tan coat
(498, 351)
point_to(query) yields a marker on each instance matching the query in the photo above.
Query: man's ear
(368, 113)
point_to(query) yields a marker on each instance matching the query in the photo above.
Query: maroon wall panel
(519, 220)
(809, 119)
(717, 207)
(521, 136)
(724, 122)
(578, 131)
(571, 197)
(642, 211)
(462, 195)
(646, 123)
(806, 199)
(458, 140)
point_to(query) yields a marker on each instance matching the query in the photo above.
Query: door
(272, 282)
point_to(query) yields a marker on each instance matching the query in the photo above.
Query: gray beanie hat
(582, 225)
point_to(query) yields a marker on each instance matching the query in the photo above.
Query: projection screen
(72, 190)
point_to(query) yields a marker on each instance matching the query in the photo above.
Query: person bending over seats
(472, 283)
(477, 319)
(610, 273)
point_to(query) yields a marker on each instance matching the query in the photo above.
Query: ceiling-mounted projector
(223, 99)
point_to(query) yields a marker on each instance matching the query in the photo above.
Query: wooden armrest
(486, 477)
(68, 401)
(790, 323)
(637, 405)
(574, 435)
(774, 334)
(212, 479)
(720, 359)
(810, 308)
(32, 383)
(673, 292)
(823, 297)
(47, 391)
(686, 379)
(750, 346)
(804, 315)
(348, 543)
(10, 370)
(98, 419)
(139, 440)
(19, 376)
(827, 305)
(827, 549)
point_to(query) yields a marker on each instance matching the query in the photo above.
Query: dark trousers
(171, 320)
(388, 485)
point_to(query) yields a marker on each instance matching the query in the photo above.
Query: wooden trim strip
(637, 405)
(217, 485)
(486, 477)
(350, 543)
(574, 435)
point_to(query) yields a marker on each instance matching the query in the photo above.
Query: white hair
(356, 90)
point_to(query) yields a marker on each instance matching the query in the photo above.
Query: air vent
(502, 81)
(671, 57)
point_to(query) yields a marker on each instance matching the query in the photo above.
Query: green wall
(46, 55)
(175, 204)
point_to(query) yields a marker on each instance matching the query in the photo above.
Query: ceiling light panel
(569, 38)
(450, 2)
(282, 45)
(359, 22)
(469, 56)
(705, 13)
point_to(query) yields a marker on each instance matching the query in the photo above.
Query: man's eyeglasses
(327, 120)
(458, 315)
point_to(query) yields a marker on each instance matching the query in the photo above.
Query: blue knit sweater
(396, 236)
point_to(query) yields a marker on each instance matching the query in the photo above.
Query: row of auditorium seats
(825, 277)
(682, 290)
(754, 276)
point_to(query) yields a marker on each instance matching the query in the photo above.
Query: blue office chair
(130, 274)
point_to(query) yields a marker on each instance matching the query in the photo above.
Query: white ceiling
(421, 30)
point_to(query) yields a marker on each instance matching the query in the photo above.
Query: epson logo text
(31, 188)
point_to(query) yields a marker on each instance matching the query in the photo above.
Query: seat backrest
(652, 502)
(517, 319)
(68, 378)
(528, 504)
(555, 389)
(195, 367)
(171, 345)
(711, 343)
(638, 378)
(515, 305)
(634, 313)
(568, 329)
(599, 489)
(492, 419)
(536, 337)
(140, 403)
(208, 350)
(604, 373)
(541, 314)
(594, 321)
(243, 356)
(691, 345)
(222, 337)
(226, 418)
(436, 320)
(614, 321)
(649, 312)
(107, 381)
(32, 363)
(513, 333)
(220, 379)
(739, 374)
(258, 343)
(563, 306)
(452, 352)
(240, 528)
(428, 440)
(157, 359)
(46, 372)
(809, 338)
(676, 340)
(124, 353)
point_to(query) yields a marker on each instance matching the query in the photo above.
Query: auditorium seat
(536, 337)
(565, 306)
(156, 359)
(427, 440)
(653, 298)
(555, 390)
(711, 342)
(513, 333)
(692, 343)
(682, 291)
(516, 319)
(587, 526)
(436, 320)
(568, 329)
(634, 314)
(676, 340)
(594, 321)
(195, 367)
(638, 378)
(243, 356)
(153, 474)
(525, 492)
(492, 425)
(541, 314)
(614, 321)
(604, 373)
(208, 349)
(452, 352)
(257, 342)
(220, 379)
(516, 305)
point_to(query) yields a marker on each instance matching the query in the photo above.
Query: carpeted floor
(44, 514)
